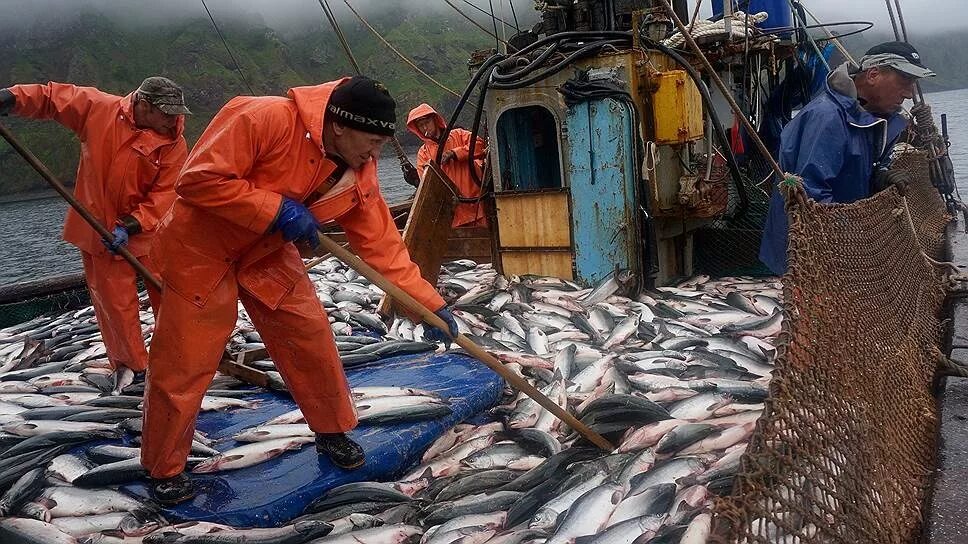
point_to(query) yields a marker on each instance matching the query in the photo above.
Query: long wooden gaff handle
(81, 210)
(431, 318)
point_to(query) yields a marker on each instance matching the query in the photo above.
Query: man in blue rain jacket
(842, 139)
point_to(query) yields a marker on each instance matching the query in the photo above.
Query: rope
(837, 42)
(484, 11)
(497, 41)
(738, 27)
(514, 15)
(339, 34)
(228, 49)
(405, 165)
(473, 22)
(398, 53)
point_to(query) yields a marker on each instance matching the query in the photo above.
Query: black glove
(436, 335)
(885, 178)
(410, 174)
(7, 101)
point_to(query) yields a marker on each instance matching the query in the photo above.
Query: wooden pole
(81, 210)
(517, 382)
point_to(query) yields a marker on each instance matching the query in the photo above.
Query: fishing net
(24, 301)
(729, 246)
(845, 448)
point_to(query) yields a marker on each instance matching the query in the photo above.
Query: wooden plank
(547, 263)
(533, 219)
(474, 249)
(243, 373)
(428, 228)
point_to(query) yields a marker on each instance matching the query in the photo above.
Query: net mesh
(730, 246)
(845, 448)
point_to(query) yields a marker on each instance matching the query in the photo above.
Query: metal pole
(78, 207)
(890, 11)
(431, 318)
(723, 89)
(919, 99)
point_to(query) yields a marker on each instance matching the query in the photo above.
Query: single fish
(250, 454)
(74, 501)
(38, 427)
(298, 532)
(32, 531)
(68, 467)
(273, 432)
(589, 514)
(23, 490)
(651, 501)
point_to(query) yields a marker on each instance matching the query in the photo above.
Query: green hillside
(96, 50)
(945, 53)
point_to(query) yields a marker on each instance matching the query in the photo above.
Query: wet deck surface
(946, 519)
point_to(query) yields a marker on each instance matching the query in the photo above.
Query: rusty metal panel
(676, 108)
(603, 179)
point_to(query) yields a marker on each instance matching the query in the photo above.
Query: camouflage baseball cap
(164, 94)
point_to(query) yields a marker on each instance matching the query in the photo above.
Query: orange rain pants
(295, 333)
(214, 248)
(123, 171)
(466, 214)
(114, 295)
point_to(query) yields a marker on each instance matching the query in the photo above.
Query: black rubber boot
(341, 450)
(169, 491)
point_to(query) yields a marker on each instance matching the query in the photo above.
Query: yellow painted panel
(677, 108)
(533, 219)
(550, 263)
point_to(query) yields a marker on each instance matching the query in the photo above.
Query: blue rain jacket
(836, 146)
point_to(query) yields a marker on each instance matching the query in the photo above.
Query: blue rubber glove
(120, 239)
(296, 223)
(436, 335)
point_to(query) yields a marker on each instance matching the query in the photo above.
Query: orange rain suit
(214, 249)
(467, 214)
(123, 171)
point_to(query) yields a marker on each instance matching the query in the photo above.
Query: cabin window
(528, 149)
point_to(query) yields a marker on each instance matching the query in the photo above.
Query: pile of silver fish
(675, 379)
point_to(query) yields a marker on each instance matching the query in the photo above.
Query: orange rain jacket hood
(123, 170)
(466, 214)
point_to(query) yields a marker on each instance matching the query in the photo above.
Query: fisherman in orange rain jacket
(264, 174)
(132, 149)
(427, 124)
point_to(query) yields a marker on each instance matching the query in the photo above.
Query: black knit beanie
(363, 104)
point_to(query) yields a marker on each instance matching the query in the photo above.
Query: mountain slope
(95, 50)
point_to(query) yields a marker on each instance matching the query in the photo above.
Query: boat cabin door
(602, 175)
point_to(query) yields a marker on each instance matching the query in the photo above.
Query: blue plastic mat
(276, 491)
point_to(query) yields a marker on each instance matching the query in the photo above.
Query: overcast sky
(922, 16)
